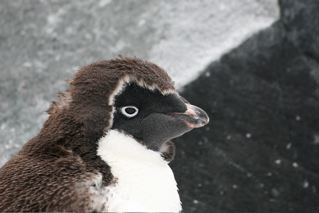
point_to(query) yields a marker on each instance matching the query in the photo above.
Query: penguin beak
(193, 117)
(159, 128)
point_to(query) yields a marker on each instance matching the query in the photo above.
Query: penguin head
(154, 118)
(132, 96)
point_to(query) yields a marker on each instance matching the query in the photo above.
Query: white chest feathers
(144, 181)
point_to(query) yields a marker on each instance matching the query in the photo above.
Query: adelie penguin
(105, 146)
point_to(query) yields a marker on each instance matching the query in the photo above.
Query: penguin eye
(129, 111)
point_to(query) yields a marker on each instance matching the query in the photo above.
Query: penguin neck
(138, 173)
(118, 148)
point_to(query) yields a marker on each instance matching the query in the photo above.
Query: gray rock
(300, 20)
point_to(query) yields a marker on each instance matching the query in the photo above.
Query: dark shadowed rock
(260, 153)
(301, 23)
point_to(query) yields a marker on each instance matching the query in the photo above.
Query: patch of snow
(196, 33)
(53, 20)
(305, 184)
(27, 64)
(295, 165)
(103, 3)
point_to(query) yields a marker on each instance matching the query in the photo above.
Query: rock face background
(260, 153)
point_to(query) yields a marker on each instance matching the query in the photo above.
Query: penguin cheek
(159, 128)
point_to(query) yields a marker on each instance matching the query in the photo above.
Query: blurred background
(253, 65)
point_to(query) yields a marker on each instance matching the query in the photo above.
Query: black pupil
(130, 110)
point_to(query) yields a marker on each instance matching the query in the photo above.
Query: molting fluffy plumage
(115, 113)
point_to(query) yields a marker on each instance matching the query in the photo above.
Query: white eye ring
(127, 114)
